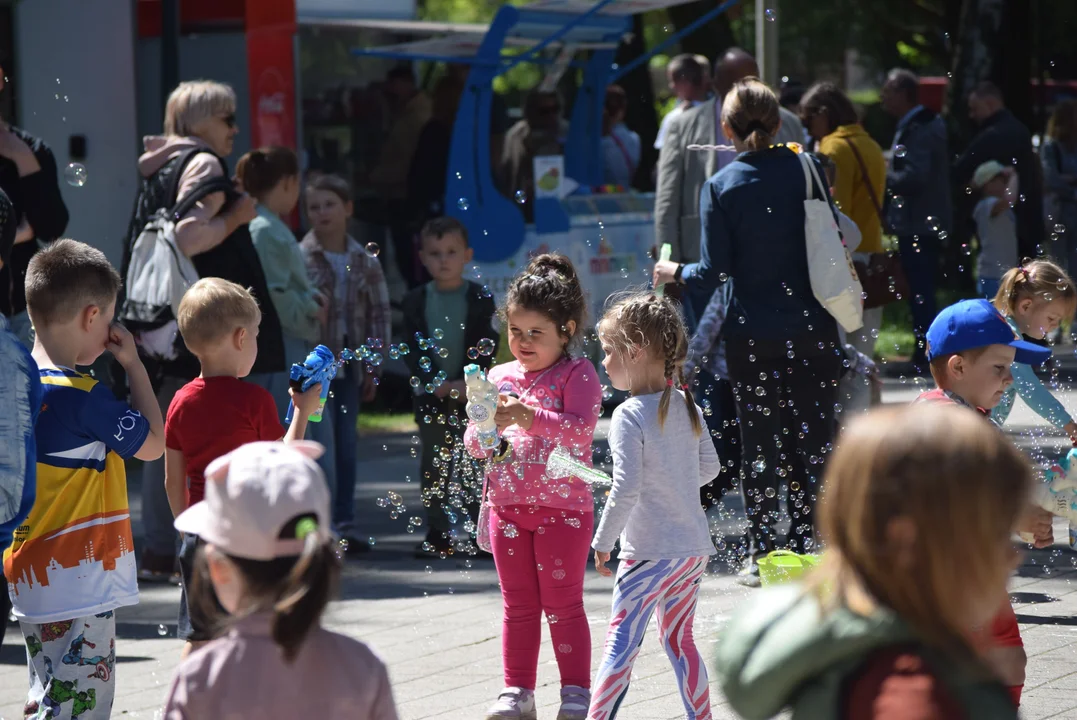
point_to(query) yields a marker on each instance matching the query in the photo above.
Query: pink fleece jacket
(567, 402)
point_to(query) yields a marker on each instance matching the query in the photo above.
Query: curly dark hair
(549, 285)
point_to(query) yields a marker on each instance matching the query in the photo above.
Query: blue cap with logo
(973, 324)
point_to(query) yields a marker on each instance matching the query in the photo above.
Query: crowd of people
(252, 520)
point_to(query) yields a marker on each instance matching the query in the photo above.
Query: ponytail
(1040, 280)
(295, 590)
(751, 110)
(261, 170)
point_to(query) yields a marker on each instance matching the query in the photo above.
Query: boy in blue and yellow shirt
(72, 562)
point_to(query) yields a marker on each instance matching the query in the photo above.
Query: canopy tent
(495, 223)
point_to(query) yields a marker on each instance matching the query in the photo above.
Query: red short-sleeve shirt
(210, 417)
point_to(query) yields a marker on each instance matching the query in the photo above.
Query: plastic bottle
(481, 406)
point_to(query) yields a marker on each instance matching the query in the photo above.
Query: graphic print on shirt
(74, 555)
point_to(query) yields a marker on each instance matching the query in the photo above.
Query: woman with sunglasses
(185, 169)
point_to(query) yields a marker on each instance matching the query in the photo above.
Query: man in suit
(1005, 139)
(682, 172)
(918, 205)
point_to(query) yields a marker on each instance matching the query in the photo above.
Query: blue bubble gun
(319, 367)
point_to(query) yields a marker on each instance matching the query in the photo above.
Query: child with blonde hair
(661, 457)
(1035, 298)
(217, 412)
(270, 560)
(883, 627)
(539, 527)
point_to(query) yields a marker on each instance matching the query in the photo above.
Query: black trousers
(785, 393)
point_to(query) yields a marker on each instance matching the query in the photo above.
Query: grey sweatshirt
(657, 472)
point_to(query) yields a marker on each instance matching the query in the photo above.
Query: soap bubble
(439, 334)
(162, 630)
(898, 202)
(759, 465)
(415, 382)
(486, 347)
(900, 151)
(521, 197)
(607, 392)
(75, 174)
(443, 353)
(770, 14)
(463, 204)
(473, 353)
(424, 363)
(373, 248)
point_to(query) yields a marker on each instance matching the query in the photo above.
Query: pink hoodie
(567, 402)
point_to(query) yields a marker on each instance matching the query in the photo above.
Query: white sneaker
(575, 701)
(516, 703)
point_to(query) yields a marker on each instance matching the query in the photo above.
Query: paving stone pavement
(437, 623)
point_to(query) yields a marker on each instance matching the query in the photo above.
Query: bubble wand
(664, 254)
(561, 464)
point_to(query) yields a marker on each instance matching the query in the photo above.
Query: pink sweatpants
(541, 556)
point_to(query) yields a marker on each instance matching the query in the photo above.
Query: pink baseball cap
(253, 492)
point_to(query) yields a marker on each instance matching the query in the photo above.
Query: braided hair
(653, 324)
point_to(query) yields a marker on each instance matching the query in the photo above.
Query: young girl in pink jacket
(540, 528)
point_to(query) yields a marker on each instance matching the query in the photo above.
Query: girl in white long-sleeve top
(661, 457)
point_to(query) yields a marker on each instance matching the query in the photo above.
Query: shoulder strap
(200, 191)
(811, 175)
(182, 161)
(867, 181)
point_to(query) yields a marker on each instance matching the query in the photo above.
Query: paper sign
(549, 176)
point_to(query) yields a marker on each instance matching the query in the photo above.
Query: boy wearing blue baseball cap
(970, 348)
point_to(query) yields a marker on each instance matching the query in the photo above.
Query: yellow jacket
(850, 191)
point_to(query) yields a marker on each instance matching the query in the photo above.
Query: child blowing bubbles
(540, 529)
(883, 629)
(661, 457)
(1035, 298)
(270, 560)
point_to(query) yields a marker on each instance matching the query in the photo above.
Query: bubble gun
(319, 367)
(1057, 494)
(561, 464)
(481, 406)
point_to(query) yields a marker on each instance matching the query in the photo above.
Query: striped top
(74, 555)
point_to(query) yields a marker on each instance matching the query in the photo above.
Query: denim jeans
(920, 259)
(158, 532)
(343, 408)
(20, 325)
(988, 287)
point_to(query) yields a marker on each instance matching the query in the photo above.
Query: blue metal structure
(495, 223)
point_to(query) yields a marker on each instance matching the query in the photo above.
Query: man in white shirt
(689, 79)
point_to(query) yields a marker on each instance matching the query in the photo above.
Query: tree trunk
(711, 40)
(1013, 63)
(977, 45)
(640, 115)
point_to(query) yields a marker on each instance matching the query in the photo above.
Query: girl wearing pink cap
(269, 559)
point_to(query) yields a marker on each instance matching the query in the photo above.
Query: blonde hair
(952, 476)
(654, 325)
(212, 309)
(1041, 280)
(194, 102)
(66, 277)
(751, 111)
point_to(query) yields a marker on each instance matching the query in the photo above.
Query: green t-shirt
(447, 311)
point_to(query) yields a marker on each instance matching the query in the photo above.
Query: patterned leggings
(643, 586)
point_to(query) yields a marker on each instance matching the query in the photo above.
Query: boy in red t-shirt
(218, 412)
(970, 347)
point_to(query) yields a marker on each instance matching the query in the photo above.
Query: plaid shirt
(365, 312)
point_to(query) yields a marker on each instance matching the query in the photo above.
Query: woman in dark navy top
(782, 346)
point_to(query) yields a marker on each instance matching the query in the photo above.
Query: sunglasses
(229, 120)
